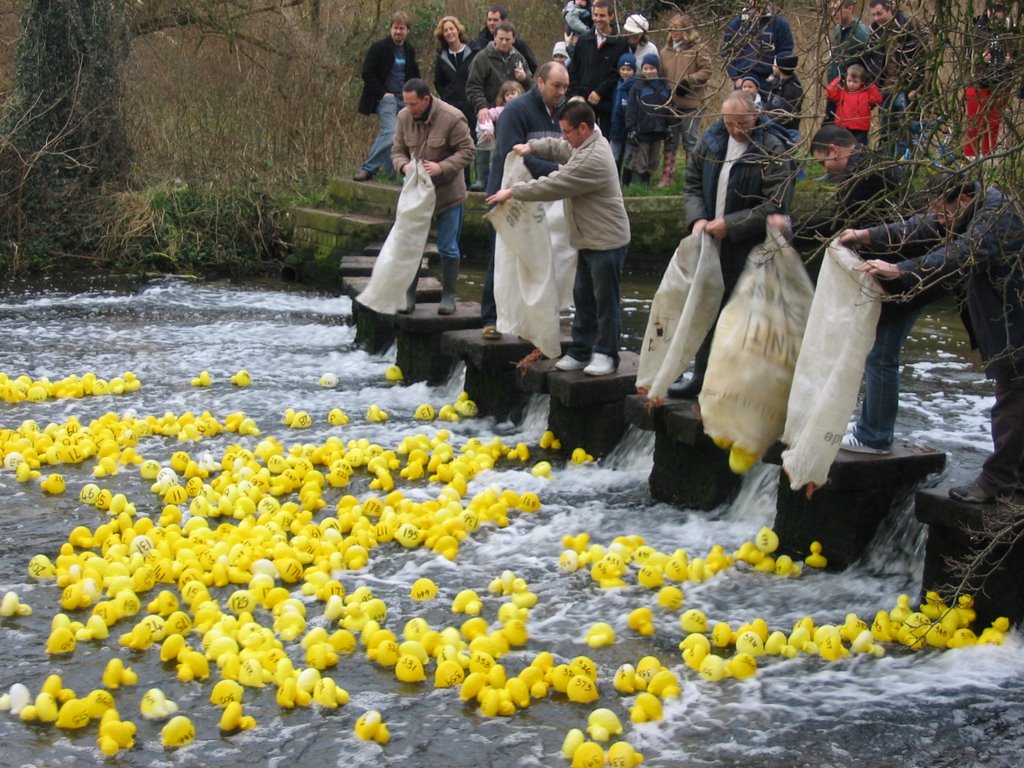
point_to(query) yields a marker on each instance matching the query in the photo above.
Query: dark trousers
(1003, 470)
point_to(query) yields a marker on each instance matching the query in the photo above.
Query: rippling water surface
(956, 708)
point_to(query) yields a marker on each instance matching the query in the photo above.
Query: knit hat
(755, 80)
(560, 49)
(652, 59)
(627, 60)
(635, 24)
(786, 64)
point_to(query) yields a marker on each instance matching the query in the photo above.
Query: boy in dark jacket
(647, 118)
(785, 95)
(622, 150)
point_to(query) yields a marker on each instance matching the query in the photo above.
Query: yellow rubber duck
(588, 755)
(600, 635)
(621, 754)
(641, 620)
(53, 484)
(602, 724)
(816, 559)
(242, 378)
(234, 719)
(156, 706)
(178, 732)
(424, 412)
(370, 726)
(11, 605)
(394, 373)
(647, 709)
(375, 414)
(202, 380)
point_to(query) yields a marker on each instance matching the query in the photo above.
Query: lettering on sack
(762, 338)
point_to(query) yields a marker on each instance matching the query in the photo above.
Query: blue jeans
(597, 322)
(449, 229)
(380, 152)
(877, 422)
(895, 128)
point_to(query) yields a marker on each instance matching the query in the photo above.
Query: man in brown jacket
(436, 134)
(687, 68)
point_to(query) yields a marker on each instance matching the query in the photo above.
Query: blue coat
(750, 47)
(649, 113)
(523, 119)
(621, 99)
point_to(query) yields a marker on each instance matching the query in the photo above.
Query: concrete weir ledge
(689, 470)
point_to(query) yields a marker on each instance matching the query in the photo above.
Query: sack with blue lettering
(840, 332)
(398, 262)
(754, 352)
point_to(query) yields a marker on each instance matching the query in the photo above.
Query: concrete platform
(957, 534)
(419, 339)
(586, 411)
(492, 374)
(376, 332)
(428, 289)
(689, 470)
(362, 266)
(844, 514)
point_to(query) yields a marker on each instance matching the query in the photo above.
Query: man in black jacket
(495, 15)
(594, 67)
(982, 255)
(532, 116)
(389, 63)
(865, 184)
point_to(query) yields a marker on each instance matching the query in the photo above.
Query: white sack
(683, 311)
(754, 352)
(840, 331)
(525, 289)
(402, 253)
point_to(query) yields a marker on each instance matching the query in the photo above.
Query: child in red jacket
(854, 100)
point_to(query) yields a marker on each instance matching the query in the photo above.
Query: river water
(952, 708)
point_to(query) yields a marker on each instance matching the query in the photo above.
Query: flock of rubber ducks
(242, 547)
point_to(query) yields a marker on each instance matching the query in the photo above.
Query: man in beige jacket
(587, 181)
(437, 135)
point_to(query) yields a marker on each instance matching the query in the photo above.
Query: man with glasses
(587, 180)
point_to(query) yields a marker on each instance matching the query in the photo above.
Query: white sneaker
(853, 445)
(601, 365)
(569, 363)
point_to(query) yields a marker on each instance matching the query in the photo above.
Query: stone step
(428, 289)
(340, 222)
(430, 252)
(575, 389)
(362, 266)
(957, 533)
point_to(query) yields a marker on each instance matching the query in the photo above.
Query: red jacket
(853, 108)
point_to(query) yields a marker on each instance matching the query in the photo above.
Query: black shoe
(971, 493)
(362, 175)
(687, 391)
